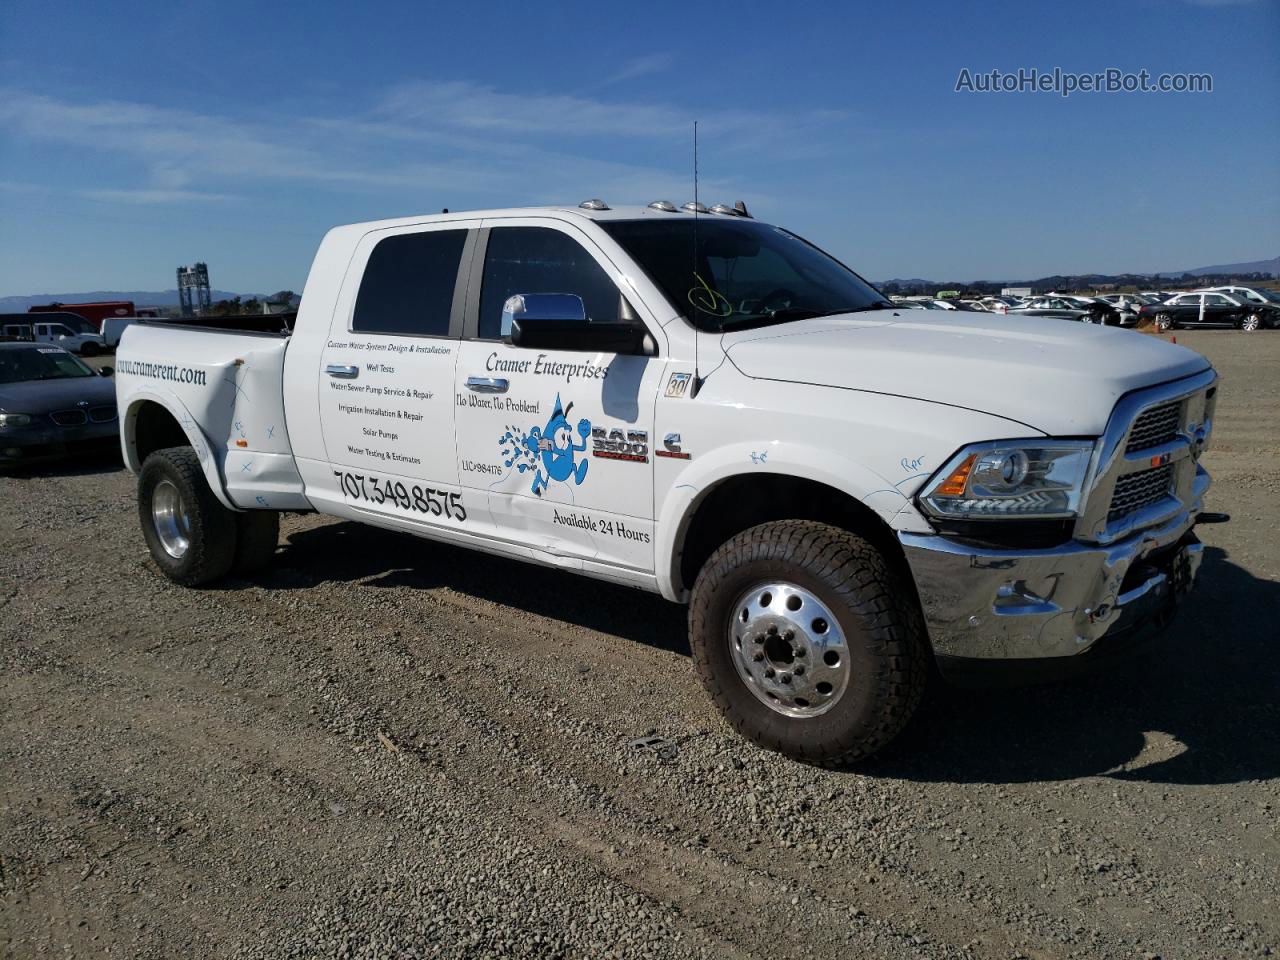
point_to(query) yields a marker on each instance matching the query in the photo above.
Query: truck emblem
(618, 444)
(672, 444)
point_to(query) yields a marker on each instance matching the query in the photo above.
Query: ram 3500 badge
(839, 493)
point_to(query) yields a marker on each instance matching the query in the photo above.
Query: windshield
(742, 273)
(1267, 294)
(40, 363)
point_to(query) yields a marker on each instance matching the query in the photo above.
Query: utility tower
(193, 290)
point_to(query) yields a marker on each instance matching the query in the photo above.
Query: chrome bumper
(1028, 604)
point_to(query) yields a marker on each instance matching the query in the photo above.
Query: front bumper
(38, 441)
(989, 604)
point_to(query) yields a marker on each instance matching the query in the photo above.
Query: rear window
(407, 287)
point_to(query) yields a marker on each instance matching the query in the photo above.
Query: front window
(40, 363)
(731, 274)
(541, 260)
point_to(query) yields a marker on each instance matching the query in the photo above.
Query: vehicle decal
(550, 451)
(606, 525)
(419, 499)
(678, 385)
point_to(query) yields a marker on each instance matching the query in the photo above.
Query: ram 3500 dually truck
(706, 407)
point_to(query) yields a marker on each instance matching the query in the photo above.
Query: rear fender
(204, 450)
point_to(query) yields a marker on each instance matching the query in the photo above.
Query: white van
(113, 329)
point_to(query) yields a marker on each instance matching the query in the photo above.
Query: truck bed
(226, 389)
(277, 324)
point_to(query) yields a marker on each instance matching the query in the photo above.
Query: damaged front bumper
(986, 604)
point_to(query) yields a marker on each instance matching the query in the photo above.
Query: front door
(386, 376)
(557, 443)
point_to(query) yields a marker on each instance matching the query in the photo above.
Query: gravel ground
(388, 748)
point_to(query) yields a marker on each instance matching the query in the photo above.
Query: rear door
(386, 378)
(557, 443)
(1185, 308)
(1221, 309)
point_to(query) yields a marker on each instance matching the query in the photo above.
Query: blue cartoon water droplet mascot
(555, 446)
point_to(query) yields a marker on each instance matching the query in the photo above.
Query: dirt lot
(390, 748)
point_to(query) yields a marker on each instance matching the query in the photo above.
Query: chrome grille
(1155, 427)
(68, 418)
(104, 414)
(1137, 490)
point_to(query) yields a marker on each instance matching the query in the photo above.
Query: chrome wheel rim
(788, 649)
(169, 517)
(1250, 323)
(1162, 321)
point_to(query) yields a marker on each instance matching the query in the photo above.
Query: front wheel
(191, 536)
(808, 642)
(1250, 322)
(90, 349)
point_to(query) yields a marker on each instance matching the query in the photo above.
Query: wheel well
(741, 502)
(155, 428)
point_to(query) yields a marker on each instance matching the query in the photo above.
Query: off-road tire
(877, 610)
(257, 535)
(212, 546)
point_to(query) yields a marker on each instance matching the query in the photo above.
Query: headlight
(1010, 480)
(13, 420)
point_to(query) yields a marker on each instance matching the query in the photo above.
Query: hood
(45, 396)
(1061, 377)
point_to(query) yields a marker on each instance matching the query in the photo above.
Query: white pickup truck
(706, 407)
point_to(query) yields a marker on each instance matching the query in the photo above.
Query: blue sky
(135, 137)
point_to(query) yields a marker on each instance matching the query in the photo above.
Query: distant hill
(1271, 266)
(140, 298)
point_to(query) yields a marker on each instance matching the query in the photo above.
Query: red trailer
(95, 313)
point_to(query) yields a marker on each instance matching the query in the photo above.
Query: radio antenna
(697, 333)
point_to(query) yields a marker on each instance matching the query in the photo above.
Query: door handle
(343, 371)
(487, 384)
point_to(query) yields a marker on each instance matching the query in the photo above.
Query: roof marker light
(692, 207)
(593, 205)
(725, 209)
(666, 206)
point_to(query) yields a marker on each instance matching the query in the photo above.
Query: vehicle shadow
(1200, 706)
(75, 465)
(354, 552)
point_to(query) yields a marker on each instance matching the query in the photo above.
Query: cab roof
(628, 212)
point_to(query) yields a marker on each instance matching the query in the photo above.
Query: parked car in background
(1127, 306)
(20, 326)
(57, 332)
(1069, 308)
(1212, 310)
(52, 404)
(1251, 294)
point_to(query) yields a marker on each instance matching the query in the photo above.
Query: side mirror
(558, 321)
(106, 371)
